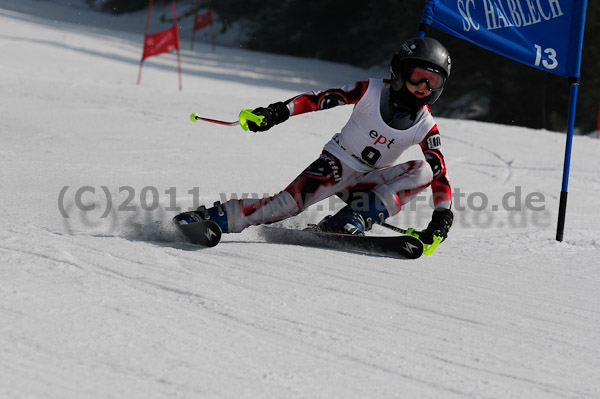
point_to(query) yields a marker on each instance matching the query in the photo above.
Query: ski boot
(355, 222)
(215, 214)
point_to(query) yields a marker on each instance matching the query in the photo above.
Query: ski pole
(245, 116)
(428, 249)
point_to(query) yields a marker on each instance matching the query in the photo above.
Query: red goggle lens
(416, 75)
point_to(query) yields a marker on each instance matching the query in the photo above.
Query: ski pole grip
(428, 249)
(247, 115)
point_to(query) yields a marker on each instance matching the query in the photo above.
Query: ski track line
(507, 165)
(546, 388)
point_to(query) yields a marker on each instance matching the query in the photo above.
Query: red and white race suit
(358, 159)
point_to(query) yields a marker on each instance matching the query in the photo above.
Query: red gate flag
(203, 20)
(161, 42)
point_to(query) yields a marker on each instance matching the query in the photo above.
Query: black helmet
(420, 51)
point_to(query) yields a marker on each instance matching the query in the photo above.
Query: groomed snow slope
(106, 303)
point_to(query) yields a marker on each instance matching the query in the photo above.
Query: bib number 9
(370, 155)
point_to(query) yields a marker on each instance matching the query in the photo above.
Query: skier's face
(421, 81)
(419, 91)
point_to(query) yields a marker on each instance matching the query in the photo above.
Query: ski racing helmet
(424, 52)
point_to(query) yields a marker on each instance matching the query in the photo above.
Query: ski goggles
(415, 75)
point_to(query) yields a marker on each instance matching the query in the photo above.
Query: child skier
(357, 164)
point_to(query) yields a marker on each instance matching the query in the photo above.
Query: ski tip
(205, 233)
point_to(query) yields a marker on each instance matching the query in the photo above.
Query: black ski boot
(215, 214)
(355, 222)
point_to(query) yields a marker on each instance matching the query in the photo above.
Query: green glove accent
(429, 248)
(247, 115)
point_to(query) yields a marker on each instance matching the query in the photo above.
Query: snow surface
(109, 304)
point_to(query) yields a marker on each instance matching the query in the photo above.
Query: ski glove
(274, 114)
(440, 224)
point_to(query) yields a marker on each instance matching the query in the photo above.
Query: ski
(403, 246)
(208, 234)
(205, 233)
